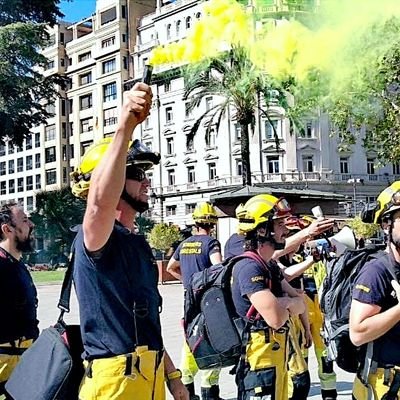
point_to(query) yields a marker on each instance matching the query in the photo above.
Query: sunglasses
(135, 173)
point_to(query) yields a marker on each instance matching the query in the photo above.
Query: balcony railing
(304, 177)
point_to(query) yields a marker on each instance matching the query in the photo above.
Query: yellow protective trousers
(299, 381)
(9, 362)
(138, 375)
(189, 369)
(326, 374)
(262, 372)
(377, 386)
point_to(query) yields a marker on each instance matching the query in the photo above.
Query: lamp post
(354, 182)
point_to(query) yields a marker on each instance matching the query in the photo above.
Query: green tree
(24, 90)
(362, 229)
(144, 224)
(238, 82)
(56, 212)
(162, 236)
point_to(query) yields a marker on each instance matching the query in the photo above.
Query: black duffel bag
(52, 368)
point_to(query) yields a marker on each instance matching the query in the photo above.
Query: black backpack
(213, 329)
(336, 301)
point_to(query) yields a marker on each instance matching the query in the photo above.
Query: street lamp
(354, 182)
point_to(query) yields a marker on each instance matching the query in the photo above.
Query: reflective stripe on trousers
(138, 375)
(189, 368)
(326, 374)
(8, 362)
(377, 386)
(299, 376)
(264, 370)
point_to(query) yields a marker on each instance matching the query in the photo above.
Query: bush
(162, 236)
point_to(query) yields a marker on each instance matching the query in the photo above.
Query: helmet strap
(137, 205)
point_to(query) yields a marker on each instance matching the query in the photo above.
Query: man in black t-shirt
(18, 297)
(375, 308)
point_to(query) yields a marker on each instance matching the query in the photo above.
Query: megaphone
(342, 240)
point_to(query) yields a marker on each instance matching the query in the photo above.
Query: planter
(163, 275)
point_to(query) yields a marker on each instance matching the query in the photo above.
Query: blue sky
(77, 9)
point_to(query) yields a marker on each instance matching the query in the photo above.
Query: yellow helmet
(260, 209)
(137, 154)
(387, 202)
(205, 213)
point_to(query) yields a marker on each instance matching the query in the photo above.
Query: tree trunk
(245, 150)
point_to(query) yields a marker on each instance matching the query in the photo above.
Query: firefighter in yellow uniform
(259, 286)
(375, 309)
(196, 253)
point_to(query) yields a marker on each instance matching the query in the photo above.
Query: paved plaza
(172, 312)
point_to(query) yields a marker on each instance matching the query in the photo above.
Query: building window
(396, 169)
(64, 175)
(238, 132)
(11, 186)
(125, 62)
(85, 56)
(178, 28)
(108, 42)
(85, 101)
(49, 65)
(71, 150)
(51, 177)
(171, 177)
(171, 210)
(308, 130)
(85, 79)
(189, 208)
(123, 11)
(50, 132)
(3, 168)
(188, 22)
(149, 176)
(271, 126)
(63, 107)
(167, 86)
(168, 115)
(308, 164)
(28, 143)
(108, 15)
(344, 165)
(20, 164)
(211, 137)
(273, 164)
(189, 143)
(86, 125)
(2, 150)
(209, 103)
(3, 187)
(191, 176)
(50, 154)
(37, 140)
(61, 37)
(212, 171)
(71, 105)
(123, 38)
(85, 146)
(370, 166)
(110, 116)
(169, 31)
(109, 66)
(239, 168)
(20, 184)
(71, 129)
(38, 183)
(29, 162)
(11, 166)
(37, 160)
(29, 203)
(170, 145)
(64, 130)
(10, 148)
(109, 92)
(29, 183)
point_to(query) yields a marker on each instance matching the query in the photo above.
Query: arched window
(188, 22)
(169, 31)
(178, 28)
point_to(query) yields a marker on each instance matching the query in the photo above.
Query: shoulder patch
(257, 278)
(363, 288)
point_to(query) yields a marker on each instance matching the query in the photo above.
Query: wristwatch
(177, 374)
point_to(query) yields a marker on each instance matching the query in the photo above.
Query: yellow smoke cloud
(286, 48)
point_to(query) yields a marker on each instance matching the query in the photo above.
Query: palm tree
(239, 83)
